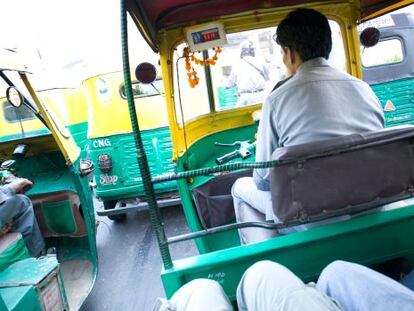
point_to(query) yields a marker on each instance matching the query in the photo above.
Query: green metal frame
(380, 236)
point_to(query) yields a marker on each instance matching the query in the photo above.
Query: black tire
(110, 204)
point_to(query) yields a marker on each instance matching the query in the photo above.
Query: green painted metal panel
(48, 171)
(23, 298)
(59, 217)
(86, 245)
(203, 154)
(19, 281)
(380, 236)
(124, 180)
(30, 270)
(79, 133)
(397, 94)
(15, 252)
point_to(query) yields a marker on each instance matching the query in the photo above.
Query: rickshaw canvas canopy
(11, 60)
(154, 15)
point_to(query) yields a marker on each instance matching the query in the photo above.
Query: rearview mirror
(146, 73)
(369, 37)
(14, 97)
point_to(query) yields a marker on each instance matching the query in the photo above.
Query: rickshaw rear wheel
(110, 204)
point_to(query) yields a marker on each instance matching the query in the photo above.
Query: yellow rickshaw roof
(153, 15)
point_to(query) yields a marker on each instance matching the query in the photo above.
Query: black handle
(228, 157)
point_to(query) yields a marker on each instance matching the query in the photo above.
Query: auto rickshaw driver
(313, 105)
(17, 215)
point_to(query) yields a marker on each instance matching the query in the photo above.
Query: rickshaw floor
(130, 262)
(77, 278)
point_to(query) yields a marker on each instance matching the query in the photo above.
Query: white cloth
(249, 74)
(269, 286)
(197, 295)
(264, 286)
(245, 196)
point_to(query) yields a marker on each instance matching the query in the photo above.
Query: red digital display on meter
(205, 35)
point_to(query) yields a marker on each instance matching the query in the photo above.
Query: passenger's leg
(270, 286)
(251, 204)
(197, 295)
(356, 287)
(408, 280)
(24, 221)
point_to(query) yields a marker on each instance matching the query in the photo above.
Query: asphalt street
(130, 261)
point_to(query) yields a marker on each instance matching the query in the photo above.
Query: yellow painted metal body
(345, 13)
(108, 111)
(67, 104)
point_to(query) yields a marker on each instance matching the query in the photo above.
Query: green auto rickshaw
(41, 149)
(191, 37)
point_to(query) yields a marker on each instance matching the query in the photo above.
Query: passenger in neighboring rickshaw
(249, 74)
(318, 102)
(270, 286)
(17, 215)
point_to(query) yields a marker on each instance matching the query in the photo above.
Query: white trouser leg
(251, 204)
(198, 295)
(268, 286)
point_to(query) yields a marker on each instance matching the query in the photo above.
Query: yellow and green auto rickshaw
(37, 146)
(359, 183)
(388, 66)
(117, 180)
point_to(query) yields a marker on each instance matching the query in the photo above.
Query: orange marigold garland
(190, 57)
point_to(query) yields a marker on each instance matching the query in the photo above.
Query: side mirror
(369, 37)
(14, 97)
(85, 167)
(146, 73)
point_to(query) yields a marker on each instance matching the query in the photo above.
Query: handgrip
(228, 157)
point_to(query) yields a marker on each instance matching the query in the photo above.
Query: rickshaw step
(119, 209)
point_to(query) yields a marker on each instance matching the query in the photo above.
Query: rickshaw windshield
(244, 73)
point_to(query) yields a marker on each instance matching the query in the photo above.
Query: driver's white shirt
(318, 102)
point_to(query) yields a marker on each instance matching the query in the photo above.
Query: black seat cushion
(343, 175)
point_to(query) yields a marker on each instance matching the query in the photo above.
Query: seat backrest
(343, 175)
(59, 214)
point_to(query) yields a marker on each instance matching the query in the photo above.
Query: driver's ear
(290, 53)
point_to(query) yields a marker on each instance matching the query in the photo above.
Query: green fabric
(15, 252)
(59, 217)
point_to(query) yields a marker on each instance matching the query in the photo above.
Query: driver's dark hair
(307, 32)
